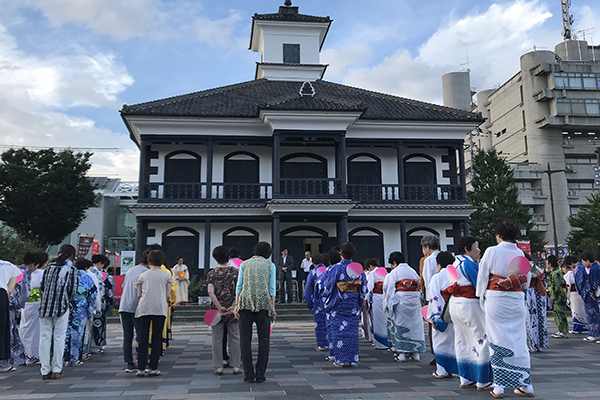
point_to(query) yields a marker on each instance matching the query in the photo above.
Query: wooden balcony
(409, 194)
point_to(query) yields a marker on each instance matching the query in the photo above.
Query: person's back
(254, 295)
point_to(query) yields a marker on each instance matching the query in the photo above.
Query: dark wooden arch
(320, 231)
(244, 244)
(423, 228)
(369, 246)
(182, 246)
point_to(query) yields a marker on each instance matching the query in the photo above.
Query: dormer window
(291, 53)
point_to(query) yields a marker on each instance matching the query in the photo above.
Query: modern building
(297, 161)
(546, 118)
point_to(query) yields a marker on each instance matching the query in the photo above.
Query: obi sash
(512, 283)
(378, 289)
(538, 281)
(408, 285)
(35, 295)
(349, 287)
(455, 290)
(573, 288)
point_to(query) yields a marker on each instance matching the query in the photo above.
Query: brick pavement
(569, 369)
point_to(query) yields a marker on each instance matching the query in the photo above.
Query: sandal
(10, 369)
(471, 385)
(521, 392)
(486, 387)
(438, 376)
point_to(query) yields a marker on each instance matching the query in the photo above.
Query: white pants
(53, 330)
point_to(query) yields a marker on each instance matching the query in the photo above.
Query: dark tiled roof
(244, 100)
(290, 16)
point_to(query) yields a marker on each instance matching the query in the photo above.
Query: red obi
(378, 289)
(467, 292)
(538, 281)
(408, 285)
(512, 283)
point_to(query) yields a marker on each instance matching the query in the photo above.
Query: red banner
(116, 261)
(525, 246)
(95, 247)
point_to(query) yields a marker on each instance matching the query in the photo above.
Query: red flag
(95, 247)
(116, 260)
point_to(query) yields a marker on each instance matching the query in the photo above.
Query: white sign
(126, 261)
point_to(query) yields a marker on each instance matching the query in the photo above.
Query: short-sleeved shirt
(224, 280)
(7, 272)
(154, 292)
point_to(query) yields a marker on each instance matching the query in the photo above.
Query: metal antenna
(468, 63)
(567, 18)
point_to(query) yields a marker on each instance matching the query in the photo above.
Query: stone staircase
(194, 313)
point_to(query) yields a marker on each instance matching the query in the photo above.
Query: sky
(68, 66)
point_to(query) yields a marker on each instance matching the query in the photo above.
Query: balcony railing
(299, 188)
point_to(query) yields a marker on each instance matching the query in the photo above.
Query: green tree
(13, 246)
(585, 233)
(44, 194)
(496, 197)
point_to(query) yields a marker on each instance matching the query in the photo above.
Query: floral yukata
(343, 297)
(535, 296)
(586, 283)
(313, 302)
(82, 307)
(16, 302)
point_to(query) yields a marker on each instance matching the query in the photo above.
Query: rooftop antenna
(468, 64)
(567, 18)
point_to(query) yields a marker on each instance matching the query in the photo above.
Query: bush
(13, 246)
(198, 287)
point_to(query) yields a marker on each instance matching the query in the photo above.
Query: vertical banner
(525, 246)
(116, 262)
(127, 261)
(84, 243)
(95, 247)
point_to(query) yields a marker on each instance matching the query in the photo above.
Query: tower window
(291, 53)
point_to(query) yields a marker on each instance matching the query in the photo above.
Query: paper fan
(212, 317)
(452, 273)
(424, 313)
(519, 266)
(379, 273)
(237, 262)
(354, 270)
(320, 271)
(20, 277)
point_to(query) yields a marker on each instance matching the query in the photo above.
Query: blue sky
(67, 66)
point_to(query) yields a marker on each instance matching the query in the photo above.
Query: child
(221, 289)
(443, 333)
(557, 287)
(154, 290)
(574, 300)
(402, 303)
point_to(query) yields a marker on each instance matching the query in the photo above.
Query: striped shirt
(58, 287)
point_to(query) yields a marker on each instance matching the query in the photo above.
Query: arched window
(243, 239)
(182, 166)
(182, 241)
(420, 178)
(241, 176)
(364, 177)
(369, 243)
(304, 174)
(414, 252)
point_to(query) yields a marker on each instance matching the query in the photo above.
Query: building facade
(545, 121)
(297, 161)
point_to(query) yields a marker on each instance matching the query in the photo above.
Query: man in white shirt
(303, 272)
(430, 246)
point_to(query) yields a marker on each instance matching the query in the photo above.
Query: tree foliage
(13, 246)
(496, 197)
(585, 228)
(44, 194)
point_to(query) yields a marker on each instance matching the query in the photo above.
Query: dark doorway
(369, 244)
(304, 174)
(243, 239)
(420, 178)
(185, 246)
(241, 176)
(364, 177)
(182, 176)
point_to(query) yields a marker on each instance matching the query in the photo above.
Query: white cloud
(340, 60)
(219, 32)
(494, 39)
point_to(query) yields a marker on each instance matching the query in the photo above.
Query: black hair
(319, 258)
(570, 260)
(333, 256)
(262, 249)
(444, 258)
(144, 257)
(234, 253)
(66, 251)
(178, 257)
(221, 254)
(155, 246)
(83, 264)
(396, 257)
(348, 250)
(588, 257)
(156, 258)
(508, 230)
(464, 244)
(553, 260)
(371, 262)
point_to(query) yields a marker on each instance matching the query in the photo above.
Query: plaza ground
(569, 369)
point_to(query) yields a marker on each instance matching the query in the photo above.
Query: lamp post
(550, 172)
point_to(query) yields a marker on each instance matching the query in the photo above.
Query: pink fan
(424, 313)
(519, 266)
(104, 276)
(452, 273)
(212, 317)
(272, 325)
(354, 270)
(20, 277)
(379, 274)
(237, 262)
(320, 270)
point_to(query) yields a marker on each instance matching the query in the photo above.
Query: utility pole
(567, 18)
(550, 172)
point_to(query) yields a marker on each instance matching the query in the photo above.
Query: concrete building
(297, 161)
(546, 116)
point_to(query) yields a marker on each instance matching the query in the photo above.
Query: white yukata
(29, 329)
(575, 302)
(443, 336)
(403, 309)
(470, 340)
(375, 296)
(505, 318)
(429, 268)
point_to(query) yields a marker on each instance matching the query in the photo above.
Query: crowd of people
(485, 314)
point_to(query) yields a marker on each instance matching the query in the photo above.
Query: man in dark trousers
(285, 264)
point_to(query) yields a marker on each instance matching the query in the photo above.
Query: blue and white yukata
(82, 307)
(586, 283)
(471, 344)
(575, 303)
(343, 308)
(16, 302)
(375, 296)
(443, 334)
(313, 302)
